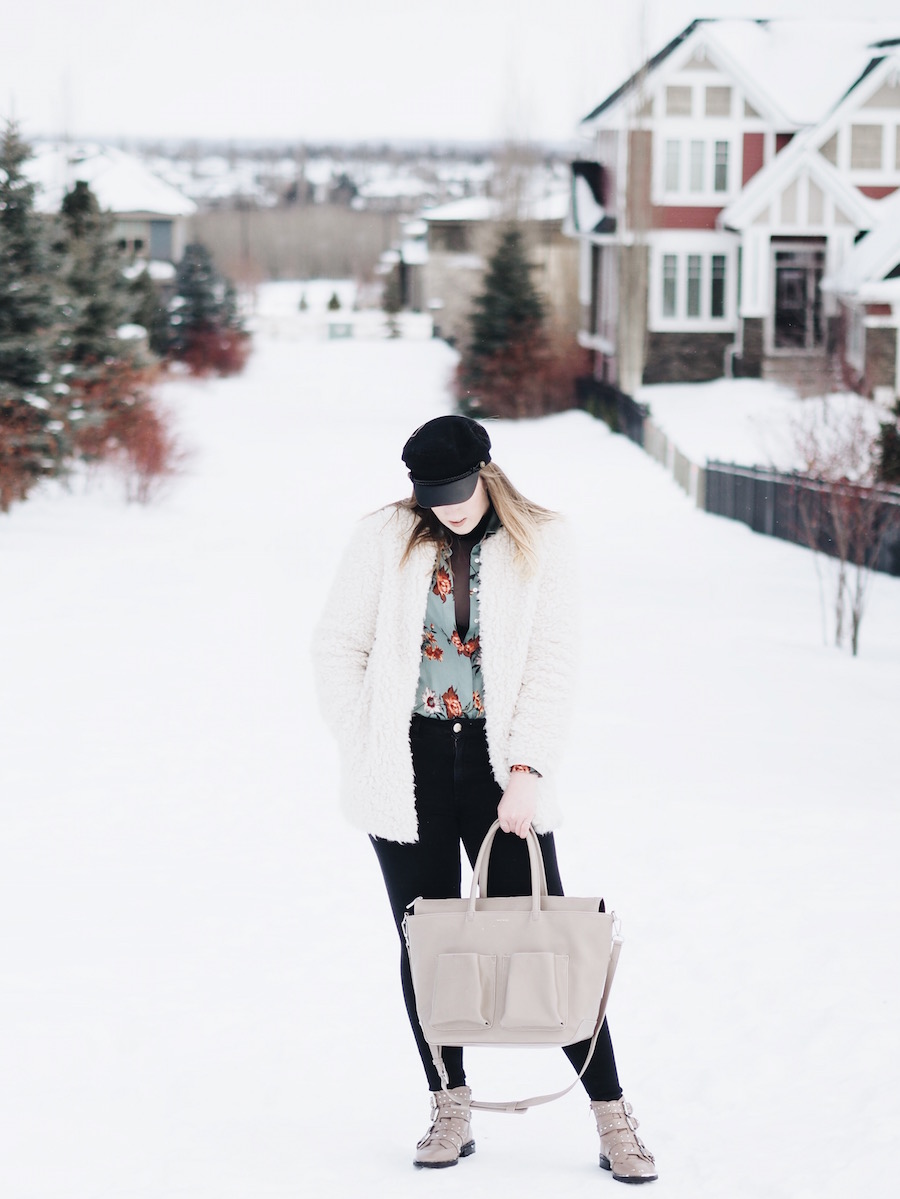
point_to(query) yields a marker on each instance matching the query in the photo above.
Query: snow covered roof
(874, 257)
(472, 208)
(802, 67)
(552, 207)
(121, 182)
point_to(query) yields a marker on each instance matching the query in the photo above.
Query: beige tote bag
(523, 970)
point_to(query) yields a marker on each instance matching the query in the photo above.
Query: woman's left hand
(516, 809)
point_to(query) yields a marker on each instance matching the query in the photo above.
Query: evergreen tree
(509, 310)
(106, 375)
(334, 303)
(205, 328)
(149, 310)
(33, 410)
(499, 368)
(392, 300)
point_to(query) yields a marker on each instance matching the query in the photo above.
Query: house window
(717, 290)
(670, 285)
(694, 282)
(865, 147)
(720, 173)
(698, 160)
(718, 101)
(698, 168)
(693, 288)
(673, 166)
(678, 101)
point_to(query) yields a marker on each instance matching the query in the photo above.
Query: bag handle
(483, 873)
(521, 1106)
(480, 869)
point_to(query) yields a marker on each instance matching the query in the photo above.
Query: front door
(798, 324)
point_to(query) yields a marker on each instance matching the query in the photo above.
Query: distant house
(462, 236)
(734, 182)
(150, 215)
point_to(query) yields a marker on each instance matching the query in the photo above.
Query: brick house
(724, 194)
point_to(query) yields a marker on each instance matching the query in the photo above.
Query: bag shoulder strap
(522, 1105)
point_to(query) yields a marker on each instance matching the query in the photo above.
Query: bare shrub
(844, 513)
(144, 447)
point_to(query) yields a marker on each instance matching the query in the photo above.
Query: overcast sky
(313, 70)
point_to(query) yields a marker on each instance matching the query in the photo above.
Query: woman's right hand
(516, 809)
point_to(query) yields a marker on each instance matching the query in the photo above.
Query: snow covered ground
(755, 422)
(198, 991)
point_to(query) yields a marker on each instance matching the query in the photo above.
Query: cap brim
(441, 495)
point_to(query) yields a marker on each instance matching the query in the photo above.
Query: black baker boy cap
(444, 457)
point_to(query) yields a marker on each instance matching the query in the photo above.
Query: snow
(553, 206)
(805, 66)
(752, 422)
(121, 182)
(200, 994)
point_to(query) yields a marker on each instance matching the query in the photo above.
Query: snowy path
(180, 900)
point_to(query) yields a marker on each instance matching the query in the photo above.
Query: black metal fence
(613, 407)
(863, 522)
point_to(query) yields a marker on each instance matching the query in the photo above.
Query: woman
(444, 668)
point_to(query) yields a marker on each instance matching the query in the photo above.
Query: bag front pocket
(464, 990)
(537, 991)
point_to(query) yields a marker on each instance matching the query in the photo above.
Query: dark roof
(649, 66)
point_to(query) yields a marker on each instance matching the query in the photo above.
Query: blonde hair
(521, 518)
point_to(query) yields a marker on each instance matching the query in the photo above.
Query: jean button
(457, 728)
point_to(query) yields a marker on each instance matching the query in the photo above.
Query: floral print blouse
(450, 680)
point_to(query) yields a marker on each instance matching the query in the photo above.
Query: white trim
(685, 134)
(682, 245)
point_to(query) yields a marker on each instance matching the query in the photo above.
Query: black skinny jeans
(456, 800)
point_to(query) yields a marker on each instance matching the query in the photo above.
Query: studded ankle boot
(621, 1150)
(449, 1137)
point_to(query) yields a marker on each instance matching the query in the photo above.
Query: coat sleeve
(544, 701)
(345, 633)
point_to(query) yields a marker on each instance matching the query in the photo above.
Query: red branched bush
(213, 349)
(123, 424)
(529, 377)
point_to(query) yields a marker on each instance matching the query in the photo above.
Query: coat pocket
(537, 991)
(464, 991)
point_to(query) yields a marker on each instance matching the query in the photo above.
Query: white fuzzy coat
(368, 648)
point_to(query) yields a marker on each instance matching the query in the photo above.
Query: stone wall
(686, 357)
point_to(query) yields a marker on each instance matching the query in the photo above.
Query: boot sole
(466, 1150)
(605, 1165)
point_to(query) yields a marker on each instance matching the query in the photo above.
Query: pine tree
(508, 346)
(206, 330)
(392, 300)
(509, 310)
(107, 376)
(33, 409)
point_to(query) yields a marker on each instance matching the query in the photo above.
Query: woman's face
(463, 518)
